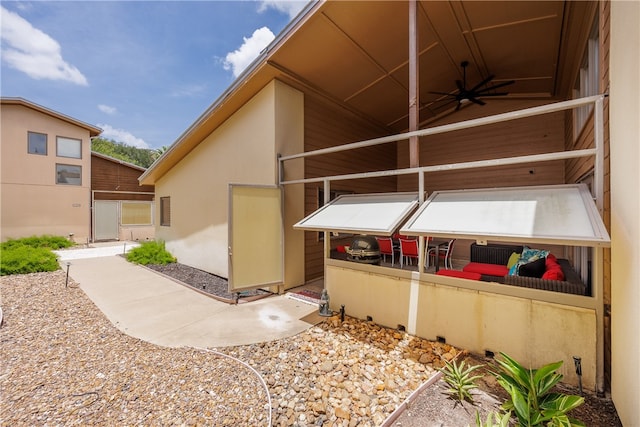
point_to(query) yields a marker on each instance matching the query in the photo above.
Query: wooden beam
(414, 90)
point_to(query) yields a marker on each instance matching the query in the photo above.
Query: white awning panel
(378, 214)
(556, 214)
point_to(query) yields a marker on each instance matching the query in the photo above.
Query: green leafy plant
(31, 254)
(152, 252)
(531, 396)
(46, 241)
(460, 379)
(494, 419)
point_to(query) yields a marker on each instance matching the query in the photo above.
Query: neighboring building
(329, 80)
(46, 172)
(122, 209)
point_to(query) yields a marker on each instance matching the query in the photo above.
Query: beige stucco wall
(624, 119)
(533, 332)
(32, 202)
(242, 150)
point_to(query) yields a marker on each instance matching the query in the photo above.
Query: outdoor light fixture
(577, 361)
(66, 283)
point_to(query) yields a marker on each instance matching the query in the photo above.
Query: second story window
(68, 174)
(37, 143)
(69, 147)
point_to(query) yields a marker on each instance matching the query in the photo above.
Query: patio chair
(443, 251)
(386, 248)
(408, 250)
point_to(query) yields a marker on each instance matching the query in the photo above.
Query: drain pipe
(264, 384)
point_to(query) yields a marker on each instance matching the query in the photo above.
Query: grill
(365, 250)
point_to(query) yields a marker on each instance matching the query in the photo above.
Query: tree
(138, 156)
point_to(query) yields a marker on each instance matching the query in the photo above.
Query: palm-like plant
(460, 380)
(531, 396)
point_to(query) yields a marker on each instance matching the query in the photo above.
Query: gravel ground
(64, 363)
(206, 282)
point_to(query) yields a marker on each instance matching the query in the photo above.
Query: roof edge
(93, 130)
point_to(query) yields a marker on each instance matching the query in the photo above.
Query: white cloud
(107, 109)
(290, 7)
(119, 135)
(33, 52)
(239, 59)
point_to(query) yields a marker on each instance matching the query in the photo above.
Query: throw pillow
(533, 269)
(554, 273)
(513, 259)
(528, 255)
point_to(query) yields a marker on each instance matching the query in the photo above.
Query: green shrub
(23, 259)
(460, 380)
(31, 254)
(48, 242)
(150, 253)
(531, 396)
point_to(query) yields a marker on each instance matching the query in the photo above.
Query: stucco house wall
(241, 151)
(32, 202)
(625, 208)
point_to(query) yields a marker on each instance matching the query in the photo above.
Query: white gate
(105, 215)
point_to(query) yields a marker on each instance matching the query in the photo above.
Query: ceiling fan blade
(458, 106)
(482, 83)
(477, 101)
(496, 86)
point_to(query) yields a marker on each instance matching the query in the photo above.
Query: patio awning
(554, 214)
(378, 214)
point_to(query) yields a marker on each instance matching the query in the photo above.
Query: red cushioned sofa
(490, 261)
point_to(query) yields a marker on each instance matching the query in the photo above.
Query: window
(37, 143)
(587, 82)
(332, 196)
(68, 174)
(377, 214)
(135, 213)
(165, 211)
(68, 147)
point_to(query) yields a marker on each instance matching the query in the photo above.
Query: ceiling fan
(473, 94)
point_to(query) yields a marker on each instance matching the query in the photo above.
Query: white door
(256, 242)
(105, 220)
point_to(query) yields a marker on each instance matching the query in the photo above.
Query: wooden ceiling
(356, 52)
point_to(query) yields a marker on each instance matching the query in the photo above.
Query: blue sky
(143, 71)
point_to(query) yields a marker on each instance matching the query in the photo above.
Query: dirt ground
(433, 407)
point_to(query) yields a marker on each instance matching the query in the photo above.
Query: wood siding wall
(532, 135)
(327, 125)
(113, 176)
